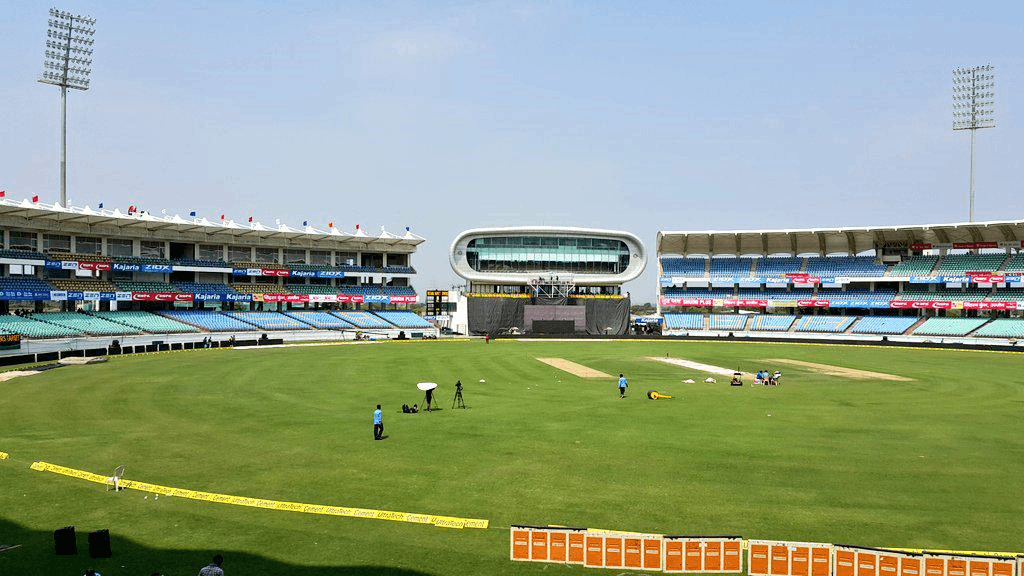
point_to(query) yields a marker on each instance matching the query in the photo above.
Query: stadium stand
(730, 266)
(150, 286)
(212, 321)
(146, 322)
(1007, 295)
(311, 288)
(958, 264)
(362, 319)
(1002, 328)
(884, 324)
(1015, 263)
(685, 321)
(69, 257)
(775, 266)
(772, 322)
(687, 267)
(84, 323)
(22, 254)
(75, 284)
(845, 266)
(835, 324)
(398, 290)
(922, 293)
(727, 321)
(403, 319)
(31, 328)
(320, 320)
(856, 293)
(24, 283)
(197, 263)
(259, 288)
(775, 294)
(949, 326)
(915, 266)
(204, 288)
(268, 320)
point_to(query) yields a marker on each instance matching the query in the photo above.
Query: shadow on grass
(36, 556)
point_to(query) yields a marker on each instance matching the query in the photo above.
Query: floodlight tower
(974, 105)
(68, 57)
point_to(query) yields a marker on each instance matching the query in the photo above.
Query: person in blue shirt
(378, 424)
(622, 386)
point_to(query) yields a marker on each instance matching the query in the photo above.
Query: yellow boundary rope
(439, 521)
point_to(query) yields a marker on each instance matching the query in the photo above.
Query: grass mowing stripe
(439, 521)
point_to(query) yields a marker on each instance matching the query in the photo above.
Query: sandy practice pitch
(840, 371)
(698, 366)
(574, 368)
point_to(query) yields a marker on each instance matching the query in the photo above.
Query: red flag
(35, 198)
(330, 224)
(250, 218)
(357, 226)
(131, 209)
(3, 193)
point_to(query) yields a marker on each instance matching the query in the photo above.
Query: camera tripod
(458, 398)
(429, 401)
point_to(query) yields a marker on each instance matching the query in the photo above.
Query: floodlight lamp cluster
(974, 97)
(68, 50)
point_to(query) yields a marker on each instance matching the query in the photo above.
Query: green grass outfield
(937, 462)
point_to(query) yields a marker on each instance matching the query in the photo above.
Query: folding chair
(115, 479)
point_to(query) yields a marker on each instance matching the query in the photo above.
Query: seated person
(415, 409)
(776, 377)
(405, 409)
(736, 381)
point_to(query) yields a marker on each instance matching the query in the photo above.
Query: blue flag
(305, 222)
(192, 214)
(101, 204)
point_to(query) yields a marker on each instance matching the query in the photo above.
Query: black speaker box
(64, 541)
(99, 544)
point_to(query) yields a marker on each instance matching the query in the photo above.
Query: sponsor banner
(955, 279)
(751, 282)
(813, 303)
(776, 282)
(330, 274)
(723, 282)
(804, 279)
(920, 246)
(926, 279)
(375, 298)
(974, 245)
(403, 299)
(745, 303)
(238, 297)
(161, 297)
(323, 298)
(942, 245)
(158, 268)
(58, 295)
(94, 265)
(275, 272)
(209, 297)
(66, 265)
(304, 273)
(90, 295)
(119, 267)
(921, 304)
(990, 305)
(989, 278)
(123, 296)
(294, 298)
(184, 297)
(687, 302)
(859, 303)
(1012, 244)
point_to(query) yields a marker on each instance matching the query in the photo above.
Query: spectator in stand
(213, 568)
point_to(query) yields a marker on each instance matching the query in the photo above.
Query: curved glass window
(527, 254)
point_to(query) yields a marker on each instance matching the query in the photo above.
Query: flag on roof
(35, 198)
(330, 224)
(250, 218)
(305, 222)
(3, 193)
(132, 209)
(192, 213)
(221, 216)
(357, 226)
(100, 205)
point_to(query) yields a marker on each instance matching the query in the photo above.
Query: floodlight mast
(974, 105)
(68, 57)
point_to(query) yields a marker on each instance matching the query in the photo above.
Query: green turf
(937, 462)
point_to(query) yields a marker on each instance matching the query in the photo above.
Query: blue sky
(444, 116)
